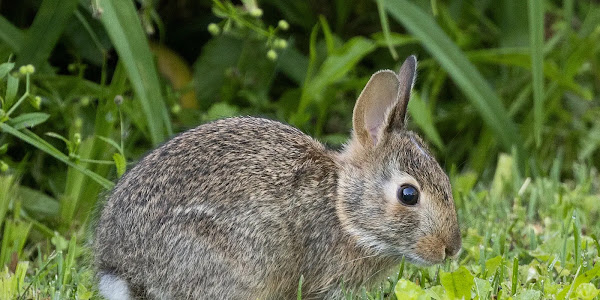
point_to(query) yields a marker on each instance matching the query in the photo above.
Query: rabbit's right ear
(382, 103)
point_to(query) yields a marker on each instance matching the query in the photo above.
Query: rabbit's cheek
(431, 248)
(397, 212)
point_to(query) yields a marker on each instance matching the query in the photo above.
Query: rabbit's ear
(382, 103)
(406, 76)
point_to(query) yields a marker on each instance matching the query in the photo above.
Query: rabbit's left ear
(381, 106)
(406, 76)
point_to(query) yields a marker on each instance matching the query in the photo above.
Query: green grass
(507, 95)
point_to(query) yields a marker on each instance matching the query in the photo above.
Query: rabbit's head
(395, 197)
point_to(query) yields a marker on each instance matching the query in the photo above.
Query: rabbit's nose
(453, 247)
(452, 252)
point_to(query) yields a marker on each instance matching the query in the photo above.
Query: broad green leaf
(34, 140)
(121, 21)
(409, 290)
(12, 87)
(582, 278)
(38, 203)
(28, 120)
(454, 61)
(586, 291)
(48, 25)
(437, 293)
(457, 284)
(482, 288)
(5, 68)
(11, 35)
(120, 163)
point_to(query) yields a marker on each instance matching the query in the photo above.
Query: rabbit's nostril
(451, 252)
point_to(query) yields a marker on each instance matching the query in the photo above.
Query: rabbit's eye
(408, 194)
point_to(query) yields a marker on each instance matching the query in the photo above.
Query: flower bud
(85, 101)
(78, 123)
(175, 109)
(27, 69)
(214, 29)
(256, 12)
(37, 102)
(272, 55)
(118, 100)
(280, 43)
(77, 138)
(283, 24)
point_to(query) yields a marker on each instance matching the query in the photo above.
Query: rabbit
(241, 208)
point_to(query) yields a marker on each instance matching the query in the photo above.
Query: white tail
(113, 288)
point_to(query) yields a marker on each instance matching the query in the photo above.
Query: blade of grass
(28, 120)
(520, 57)
(34, 140)
(75, 183)
(385, 27)
(13, 239)
(123, 26)
(327, 34)
(454, 61)
(536, 45)
(84, 193)
(515, 276)
(576, 238)
(299, 293)
(7, 183)
(334, 68)
(422, 116)
(47, 27)
(299, 118)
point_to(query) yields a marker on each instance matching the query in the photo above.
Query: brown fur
(241, 208)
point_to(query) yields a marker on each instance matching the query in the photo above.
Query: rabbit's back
(222, 200)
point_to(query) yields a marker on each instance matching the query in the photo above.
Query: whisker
(369, 278)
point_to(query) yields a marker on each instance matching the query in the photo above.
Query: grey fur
(241, 208)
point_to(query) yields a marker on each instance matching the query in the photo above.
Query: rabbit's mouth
(418, 260)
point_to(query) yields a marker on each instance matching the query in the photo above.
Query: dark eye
(408, 194)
